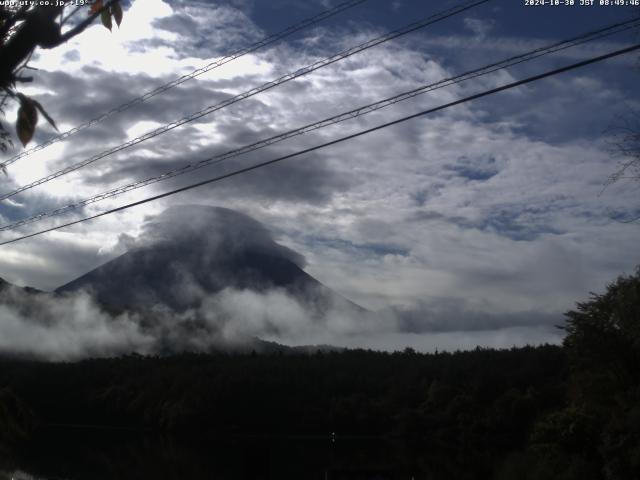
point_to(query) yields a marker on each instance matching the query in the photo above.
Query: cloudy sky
(488, 219)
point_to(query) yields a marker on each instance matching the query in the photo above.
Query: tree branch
(82, 26)
(11, 21)
(68, 17)
(38, 29)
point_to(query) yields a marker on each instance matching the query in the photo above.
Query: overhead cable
(363, 110)
(178, 81)
(254, 91)
(336, 141)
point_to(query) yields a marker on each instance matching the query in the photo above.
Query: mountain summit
(189, 253)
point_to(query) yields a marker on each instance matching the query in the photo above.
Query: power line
(178, 81)
(339, 140)
(254, 91)
(515, 60)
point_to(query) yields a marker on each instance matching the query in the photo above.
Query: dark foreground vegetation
(473, 407)
(570, 412)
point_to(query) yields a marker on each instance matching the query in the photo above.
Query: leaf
(105, 16)
(44, 113)
(116, 11)
(95, 8)
(27, 120)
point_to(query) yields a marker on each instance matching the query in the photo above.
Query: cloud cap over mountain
(484, 218)
(218, 232)
(190, 252)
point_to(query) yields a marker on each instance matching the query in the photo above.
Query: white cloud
(65, 328)
(535, 235)
(480, 27)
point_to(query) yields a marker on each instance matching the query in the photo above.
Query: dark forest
(536, 412)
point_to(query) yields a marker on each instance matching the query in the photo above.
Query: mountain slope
(190, 253)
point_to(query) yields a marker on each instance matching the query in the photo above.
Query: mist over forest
(329, 240)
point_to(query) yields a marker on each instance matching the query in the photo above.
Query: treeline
(477, 404)
(570, 412)
(482, 395)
